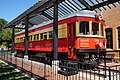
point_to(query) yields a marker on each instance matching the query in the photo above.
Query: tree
(3, 22)
(7, 37)
(5, 34)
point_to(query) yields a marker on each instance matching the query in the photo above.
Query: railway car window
(23, 39)
(118, 37)
(45, 36)
(50, 34)
(109, 43)
(20, 39)
(95, 28)
(34, 37)
(41, 36)
(84, 27)
(37, 36)
(30, 38)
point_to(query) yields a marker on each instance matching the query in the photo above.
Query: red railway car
(80, 35)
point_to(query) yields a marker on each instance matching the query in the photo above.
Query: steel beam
(31, 23)
(103, 4)
(41, 13)
(62, 6)
(74, 5)
(39, 6)
(13, 37)
(67, 7)
(55, 30)
(70, 6)
(26, 35)
(77, 4)
(46, 15)
(83, 2)
(46, 4)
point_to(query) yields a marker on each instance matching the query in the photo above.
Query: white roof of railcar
(85, 13)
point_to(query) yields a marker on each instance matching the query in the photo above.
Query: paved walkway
(49, 73)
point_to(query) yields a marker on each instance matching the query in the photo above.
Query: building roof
(43, 10)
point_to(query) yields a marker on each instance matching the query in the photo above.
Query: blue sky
(10, 9)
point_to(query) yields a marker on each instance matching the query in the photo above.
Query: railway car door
(71, 40)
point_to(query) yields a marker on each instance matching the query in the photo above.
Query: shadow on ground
(8, 73)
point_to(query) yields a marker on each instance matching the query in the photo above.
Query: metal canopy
(43, 10)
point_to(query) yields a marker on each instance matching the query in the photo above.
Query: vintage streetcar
(81, 37)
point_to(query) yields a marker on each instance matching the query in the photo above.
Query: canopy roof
(43, 10)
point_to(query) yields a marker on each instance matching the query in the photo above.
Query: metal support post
(104, 53)
(13, 36)
(109, 73)
(26, 36)
(55, 39)
(55, 30)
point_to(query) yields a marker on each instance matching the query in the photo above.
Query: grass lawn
(8, 73)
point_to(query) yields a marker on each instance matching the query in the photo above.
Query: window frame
(45, 34)
(110, 39)
(30, 38)
(37, 37)
(90, 29)
(80, 26)
(41, 36)
(49, 35)
(34, 39)
(118, 38)
(98, 28)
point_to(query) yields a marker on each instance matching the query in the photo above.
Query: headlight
(99, 45)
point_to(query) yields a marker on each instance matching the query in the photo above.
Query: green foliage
(17, 30)
(7, 37)
(5, 34)
(3, 22)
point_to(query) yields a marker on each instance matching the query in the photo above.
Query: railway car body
(78, 34)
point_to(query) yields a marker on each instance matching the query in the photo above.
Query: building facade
(112, 20)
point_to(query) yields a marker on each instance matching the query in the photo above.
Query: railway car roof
(85, 13)
(43, 10)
